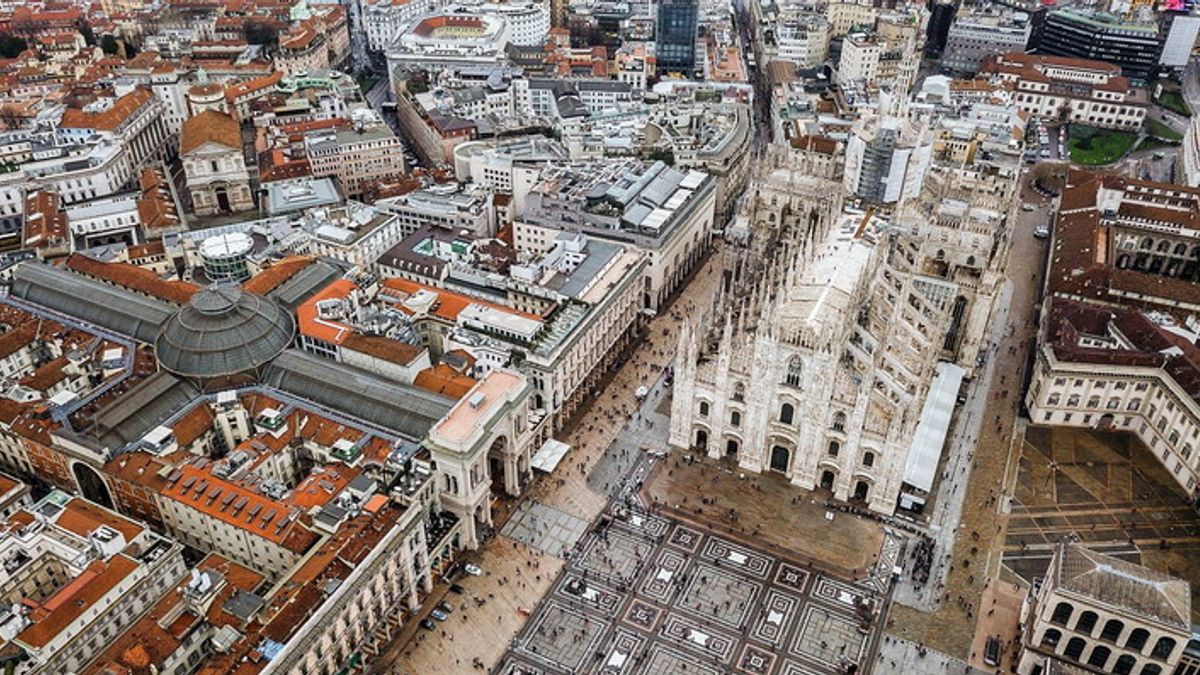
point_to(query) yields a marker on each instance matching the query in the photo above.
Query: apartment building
(357, 155)
(1066, 89)
(74, 577)
(1118, 342)
(665, 212)
(860, 58)
(1097, 613)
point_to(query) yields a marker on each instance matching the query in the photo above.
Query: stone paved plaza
(650, 595)
(544, 527)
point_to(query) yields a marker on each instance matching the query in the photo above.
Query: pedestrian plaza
(651, 595)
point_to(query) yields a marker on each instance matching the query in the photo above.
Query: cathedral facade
(817, 356)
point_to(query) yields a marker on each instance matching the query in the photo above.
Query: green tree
(109, 44)
(11, 46)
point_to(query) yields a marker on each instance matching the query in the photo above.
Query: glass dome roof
(223, 331)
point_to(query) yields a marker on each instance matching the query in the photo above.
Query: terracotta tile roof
(383, 348)
(156, 207)
(210, 126)
(137, 467)
(122, 109)
(143, 60)
(443, 379)
(319, 488)
(76, 598)
(82, 517)
(47, 375)
(821, 144)
(193, 425)
(45, 223)
(258, 84)
(16, 339)
(7, 483)
(270, 278)
(298, 41)
(333, 559)
(148, 250)
(1082, 260)
(449, 303)
(147, 643)
(329, 331)
(271, 520)
(135, 278)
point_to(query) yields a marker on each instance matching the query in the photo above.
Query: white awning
(549, 455)
(930, 437)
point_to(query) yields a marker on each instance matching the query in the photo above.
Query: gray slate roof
(407, 410)
(141, 409)
(223, 331)
(89, 300)
(1124, 585)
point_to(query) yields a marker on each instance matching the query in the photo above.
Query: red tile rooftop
(76, 598)
(271, 277)
(134, 278)
(259, 515)
(147, 643)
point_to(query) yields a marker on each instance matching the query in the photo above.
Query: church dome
(222, 332)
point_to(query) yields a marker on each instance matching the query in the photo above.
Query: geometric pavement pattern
(653, 596)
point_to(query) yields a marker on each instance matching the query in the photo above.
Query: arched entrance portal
(827, 480)
(731, 448)
(91, 485)
(222, 194)
(780, 458)
(861, 490)
(701, 439)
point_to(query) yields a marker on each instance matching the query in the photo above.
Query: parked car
(1041, 232)
(1027, 207)
(439, 615)
(427, 624)
(473, 570)
(456, 589)
(445, 607)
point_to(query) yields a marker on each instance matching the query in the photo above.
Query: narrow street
(975, 545)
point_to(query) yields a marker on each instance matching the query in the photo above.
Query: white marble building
(826, 341)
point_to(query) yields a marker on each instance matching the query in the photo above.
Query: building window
(1087, 621)
(735, 418)
(834, 446)
(1099, 656)
(794, 372)
(869, 459)
(1062, 613)
(1075, 647)
(1051, 637)
(703, 409)
(1112, 630)
(1163, 648)
(786, 413)
(739, 392)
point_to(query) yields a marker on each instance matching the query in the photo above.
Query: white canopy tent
(549, 455)
(930, 437)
